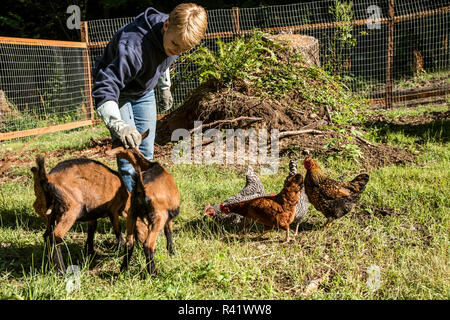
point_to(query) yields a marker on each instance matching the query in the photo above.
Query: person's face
(173, 46)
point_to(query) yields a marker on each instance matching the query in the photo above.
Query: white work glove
(166, 96)
(127, 134)
(166, 99)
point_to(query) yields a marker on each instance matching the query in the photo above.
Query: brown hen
(333, 198)
(271, 211)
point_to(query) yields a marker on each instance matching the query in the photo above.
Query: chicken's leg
(287, 235)
(296, 229)
(329, 220)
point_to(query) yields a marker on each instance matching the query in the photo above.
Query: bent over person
(134, 61)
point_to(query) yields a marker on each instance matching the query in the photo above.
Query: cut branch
(208, 125)
(328, 112)
(364, 141)
(296, 132)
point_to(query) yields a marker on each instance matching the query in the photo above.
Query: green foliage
(342, 38)
(346, 149)
(238, 59)
(315, 85)
(340, 43)
(27, 120)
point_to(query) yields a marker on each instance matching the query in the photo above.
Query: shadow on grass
(207, 228)
(33, 259)
(25, 259)
(21, 218)
(18, 260)
(436, 131)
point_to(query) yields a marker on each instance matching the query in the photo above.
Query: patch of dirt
(211, 104)
(368, 211)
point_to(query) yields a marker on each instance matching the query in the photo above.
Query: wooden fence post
(235, 18)
(390, 54)
(87, 70)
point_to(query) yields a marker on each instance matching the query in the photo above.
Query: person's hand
(167, 100)
(129, 136)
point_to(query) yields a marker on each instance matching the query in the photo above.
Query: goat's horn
(49, 211)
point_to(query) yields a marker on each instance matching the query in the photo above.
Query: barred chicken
(303, 203)
(253, 189)
(271, 211)
(333, 198)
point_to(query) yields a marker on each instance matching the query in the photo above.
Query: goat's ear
(115, 151)
(117, 145)
(133, 155)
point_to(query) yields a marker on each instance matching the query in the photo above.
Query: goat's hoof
(120, 244)
(153, 273)
(90, 254)
(123, 266)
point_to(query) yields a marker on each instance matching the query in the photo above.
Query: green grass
(424, 79)
(76, 139)
(410, 244)
(414, 111)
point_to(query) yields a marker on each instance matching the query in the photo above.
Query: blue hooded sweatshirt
(133, 60)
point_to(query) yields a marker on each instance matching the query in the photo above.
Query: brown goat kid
(155, 202)
(78, 190)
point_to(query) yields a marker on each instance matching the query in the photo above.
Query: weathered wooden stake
(390, 54)
(235, 18)
(87, 70)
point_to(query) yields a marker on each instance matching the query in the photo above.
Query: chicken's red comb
(308, 163)
(207, 207)
(221, 206)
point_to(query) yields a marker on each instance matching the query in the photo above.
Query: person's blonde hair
(189, 21)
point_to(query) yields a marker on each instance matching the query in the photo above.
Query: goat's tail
(53, 197)
(42, 174)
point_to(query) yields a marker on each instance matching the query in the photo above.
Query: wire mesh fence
(42, 83)
(387, 50)
(354, 40)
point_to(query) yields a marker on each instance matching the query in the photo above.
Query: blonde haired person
(135, 60)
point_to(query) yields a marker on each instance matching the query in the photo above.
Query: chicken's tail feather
(360, 182)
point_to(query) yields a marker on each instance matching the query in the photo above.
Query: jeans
(141, 114)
